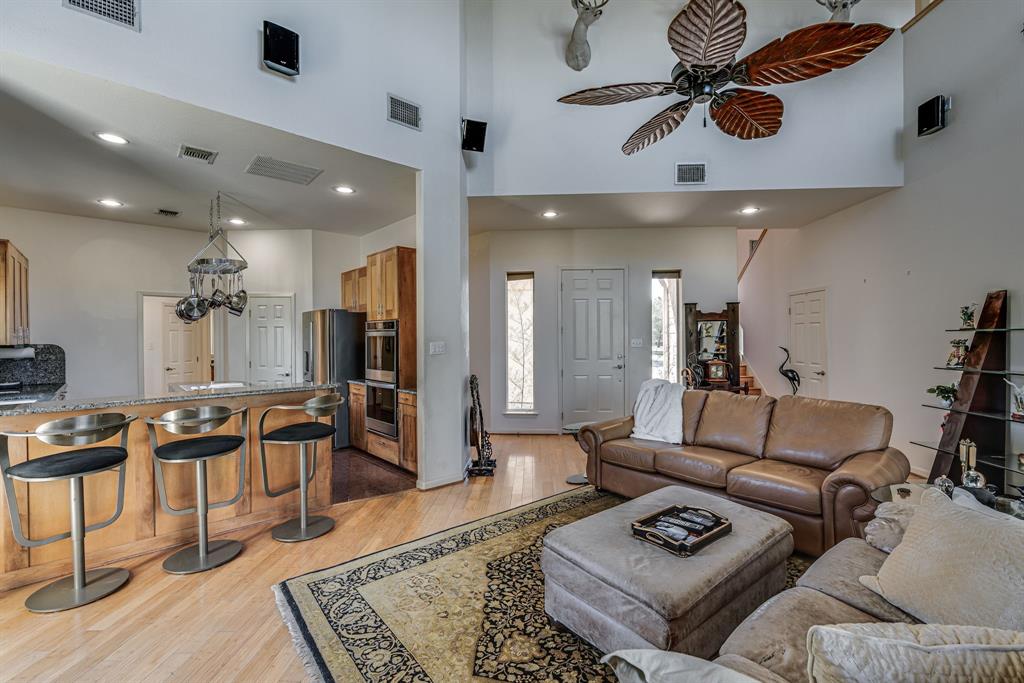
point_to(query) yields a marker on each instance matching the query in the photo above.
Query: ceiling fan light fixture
(550, 214)
(110, 203)
(112, 138)
(750, 210)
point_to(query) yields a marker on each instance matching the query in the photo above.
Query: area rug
(463, 604)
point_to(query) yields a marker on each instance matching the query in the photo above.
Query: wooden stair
(749, 380)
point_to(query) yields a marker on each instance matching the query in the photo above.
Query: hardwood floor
(223, 625)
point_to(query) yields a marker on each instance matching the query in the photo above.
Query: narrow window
(519, 342)
(665, 308)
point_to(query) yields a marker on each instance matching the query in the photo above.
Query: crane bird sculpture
(789, 373)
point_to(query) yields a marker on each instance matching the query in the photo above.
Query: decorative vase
(973, 479)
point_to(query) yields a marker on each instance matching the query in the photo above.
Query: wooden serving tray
(663, 529)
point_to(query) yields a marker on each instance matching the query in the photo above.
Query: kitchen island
(144, 527)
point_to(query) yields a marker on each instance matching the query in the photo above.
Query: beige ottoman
(618, 592)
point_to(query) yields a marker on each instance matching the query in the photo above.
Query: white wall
(399, 234)
(333, 254)
(84, 279)
(839, 130)
(898, 267)
(706, 257)
(338, 99)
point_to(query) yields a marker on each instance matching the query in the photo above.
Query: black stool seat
(200, 447)
(303, 431)
(69, 463)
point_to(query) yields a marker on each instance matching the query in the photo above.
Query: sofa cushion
(777, 483)
(652, 666)
(775, 635)
(693, 406)
(699, 464)
(636, 454)
(819, 433)
(837, 574)
(734, 422)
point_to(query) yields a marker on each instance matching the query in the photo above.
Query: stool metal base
(187, 561)
(61, 594)
(577, 479)
(291, 531)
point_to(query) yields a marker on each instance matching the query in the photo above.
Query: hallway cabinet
(14, 327)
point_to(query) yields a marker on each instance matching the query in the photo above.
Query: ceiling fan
(705, 36)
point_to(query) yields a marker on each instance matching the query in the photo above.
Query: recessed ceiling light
(112, 203)
(112, 138)
(236, 221)
(550, 214)
(344, 189)
(748, 210)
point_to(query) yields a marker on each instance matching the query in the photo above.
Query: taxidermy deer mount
(705, 37)
(840, 9)
(577, 52)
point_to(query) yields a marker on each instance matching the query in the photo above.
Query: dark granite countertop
(363, 381)
(60, 400)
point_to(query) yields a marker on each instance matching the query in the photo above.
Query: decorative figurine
(972, 478)
(945, 484)
(967, 316)
(945, 393)
(1017, 411)
(958, 354)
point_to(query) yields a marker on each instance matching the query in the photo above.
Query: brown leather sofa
(812, 462)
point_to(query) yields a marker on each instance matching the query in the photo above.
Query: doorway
(808, 341)
(593, 334)
(271, 335)
(173, 352)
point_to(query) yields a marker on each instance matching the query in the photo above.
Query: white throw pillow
(866, 653)
(956, 566)
(658, 666)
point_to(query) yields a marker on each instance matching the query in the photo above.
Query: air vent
(691, 174)
(269, 167)
(121, 12)
(197, 154)
(403, 112)
(168, 213)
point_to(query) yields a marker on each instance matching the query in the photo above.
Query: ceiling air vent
(197, 154)
(269, 167)
(121, 12)
(691, 174)
(403, 112)
(167, 213)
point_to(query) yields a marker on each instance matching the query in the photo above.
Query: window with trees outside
(666, 294)
(519, 342)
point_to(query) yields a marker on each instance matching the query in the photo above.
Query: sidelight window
(666, 296)
(519, 311)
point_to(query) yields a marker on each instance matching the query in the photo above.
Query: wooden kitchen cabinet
(407, 431)
(353, 290)
(357, 415)
(391, 295)
(14, 327)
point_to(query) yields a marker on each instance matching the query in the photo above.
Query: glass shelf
(1003, 373)
(1008, 461)
(988, 329)
(976, 413)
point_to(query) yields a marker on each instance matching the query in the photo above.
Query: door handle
(284, 374)
(820, 373)
(168, 369)
(620, 366)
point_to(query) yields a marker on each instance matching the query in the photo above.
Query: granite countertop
(363, 381)
(60, 400)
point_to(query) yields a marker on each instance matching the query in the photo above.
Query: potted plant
(945, 393)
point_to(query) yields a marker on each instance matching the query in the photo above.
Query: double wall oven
(382, 377)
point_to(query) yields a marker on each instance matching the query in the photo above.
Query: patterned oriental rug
(464, 604)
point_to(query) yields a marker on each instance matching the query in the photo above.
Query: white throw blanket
(658, 413)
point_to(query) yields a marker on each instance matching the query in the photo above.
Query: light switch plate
(636, 343)
(438, 348)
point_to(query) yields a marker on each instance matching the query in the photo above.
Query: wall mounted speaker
(931, 116)
(473, 134)
(280, 49)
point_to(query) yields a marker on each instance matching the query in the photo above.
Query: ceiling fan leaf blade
(616, 94)
(658, 128)
(708, 33)
(747, 114)
(809, 52)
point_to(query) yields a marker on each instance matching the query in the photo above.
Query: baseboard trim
(527, 432)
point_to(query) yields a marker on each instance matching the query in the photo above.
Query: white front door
(593, 329)
(271, 330)
(180, 349)
(808, 342)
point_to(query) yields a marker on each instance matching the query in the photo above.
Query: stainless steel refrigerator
(333, 350)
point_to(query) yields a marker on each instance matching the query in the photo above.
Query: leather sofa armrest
(846, 493)
(593, 435)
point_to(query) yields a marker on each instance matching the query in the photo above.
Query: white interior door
(808, 342)
(180, 349)
(271, 326)
(593, 345)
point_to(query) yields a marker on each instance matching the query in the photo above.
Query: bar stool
(205, 554)
(83, 586)
(304, 433)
